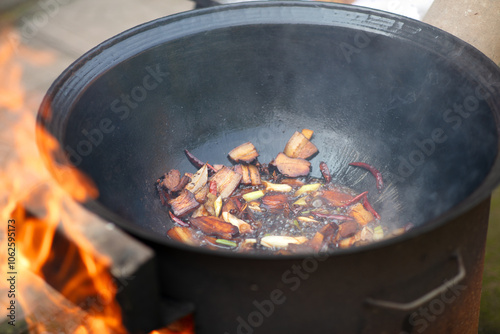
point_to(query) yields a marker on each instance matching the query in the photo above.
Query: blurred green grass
(489, 319)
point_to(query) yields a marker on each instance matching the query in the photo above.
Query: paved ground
(53, 33)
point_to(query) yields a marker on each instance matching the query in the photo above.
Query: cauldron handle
(429, 295)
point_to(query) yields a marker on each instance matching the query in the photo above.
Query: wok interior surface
(405, 97)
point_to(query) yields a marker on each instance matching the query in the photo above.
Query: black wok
(416, 102)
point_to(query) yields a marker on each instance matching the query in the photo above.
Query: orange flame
(82, 288)
(81, 296)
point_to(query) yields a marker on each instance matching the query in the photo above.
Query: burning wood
(244, 153)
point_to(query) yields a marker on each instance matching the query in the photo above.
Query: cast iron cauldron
(412, 100)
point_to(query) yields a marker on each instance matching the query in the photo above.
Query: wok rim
(482, 192)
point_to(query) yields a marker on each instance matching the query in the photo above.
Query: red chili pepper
(198, 163)
(355, 199)
(323, 167)
(369, 207)
(213, 187)
(178, 220)
(374, 171)
(331, 216)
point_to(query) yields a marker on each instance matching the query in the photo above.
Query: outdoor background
(46, 36)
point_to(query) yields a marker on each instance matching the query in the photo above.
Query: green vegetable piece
(226, 242)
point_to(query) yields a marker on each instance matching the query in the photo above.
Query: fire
(37, 211)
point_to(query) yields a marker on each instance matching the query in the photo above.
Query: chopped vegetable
(279, 205)
(252, 196)
(243, 226)
(300, 201)
(278, 241)
(226, 242)
(378, 233)
(283, 188)
(307, 188)
(218, 206)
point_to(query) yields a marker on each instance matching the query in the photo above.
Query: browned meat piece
(244, 153)
(227, 181)
(214, 226)
(299, 146)
(184, 203)
(292, 167)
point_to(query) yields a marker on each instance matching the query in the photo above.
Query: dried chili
(198, 163)
(355, 199)
(323, 167)
(178, 220)
(369, 207)
(374, 171)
